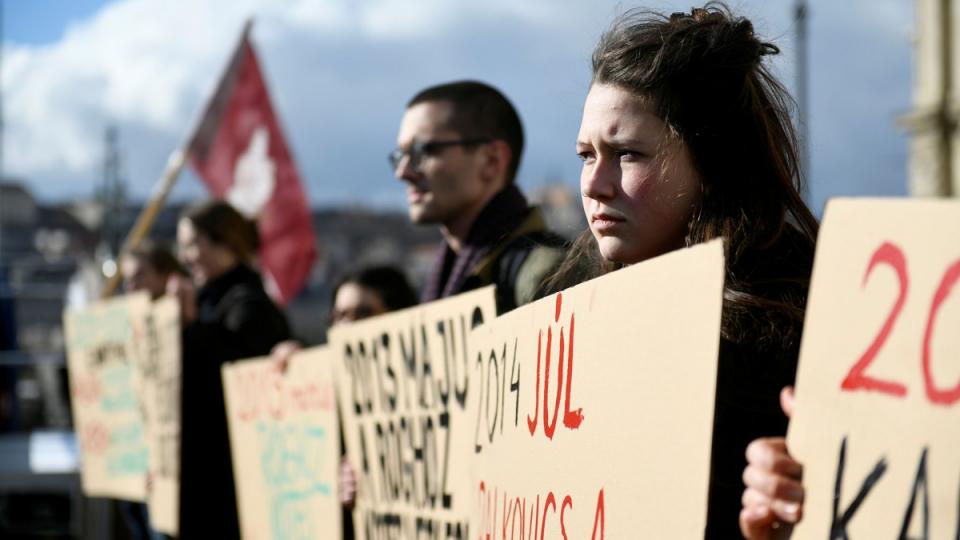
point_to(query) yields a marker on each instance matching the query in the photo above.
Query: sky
(341, 71)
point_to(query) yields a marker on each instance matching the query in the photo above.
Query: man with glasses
(458, 152)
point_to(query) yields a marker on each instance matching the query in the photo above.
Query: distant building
(934, 167)
(41, 246)
(17, 206)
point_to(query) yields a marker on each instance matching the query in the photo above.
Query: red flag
(240, 153)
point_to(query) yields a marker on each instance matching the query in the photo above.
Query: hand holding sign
(773, 494)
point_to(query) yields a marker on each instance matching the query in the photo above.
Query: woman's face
(354, 302)
(205, 259)
(638, 183)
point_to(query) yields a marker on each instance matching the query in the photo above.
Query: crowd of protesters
(685, 137)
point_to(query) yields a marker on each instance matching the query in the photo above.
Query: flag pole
(204, 127)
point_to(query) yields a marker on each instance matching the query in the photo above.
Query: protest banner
(593, 410)
(402, 386)
(877, 418)
(285, 444)
(240, 152)
(102, 362)
(160, 399)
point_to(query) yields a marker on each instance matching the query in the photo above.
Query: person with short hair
(458, 152)
(686, 137)
(231, 318)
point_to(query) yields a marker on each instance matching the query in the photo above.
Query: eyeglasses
(419, 149)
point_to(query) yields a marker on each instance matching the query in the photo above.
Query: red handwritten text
(504, 516)
(571, 418)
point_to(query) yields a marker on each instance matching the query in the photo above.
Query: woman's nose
(598, 180)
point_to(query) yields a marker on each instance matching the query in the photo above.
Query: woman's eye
(628, 155)
(586, 157)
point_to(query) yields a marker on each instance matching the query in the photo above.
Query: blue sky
(340, 72)
(36, 22)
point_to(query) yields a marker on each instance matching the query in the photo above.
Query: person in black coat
(230, 318)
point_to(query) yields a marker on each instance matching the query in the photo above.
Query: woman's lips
(603, 222)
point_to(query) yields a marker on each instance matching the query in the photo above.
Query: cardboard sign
(160, 397)
(285, 443)
(593, 410)
(877, 420)
(403, 381)
(102, 351)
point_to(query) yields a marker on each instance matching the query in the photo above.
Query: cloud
(340, 72)
(123, 66)
(147, 66)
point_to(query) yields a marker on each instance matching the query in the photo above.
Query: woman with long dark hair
(686, 137)
(230, 319)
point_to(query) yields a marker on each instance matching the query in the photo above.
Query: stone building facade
(934, 165)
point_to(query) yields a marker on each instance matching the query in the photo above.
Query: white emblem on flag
(254, 176)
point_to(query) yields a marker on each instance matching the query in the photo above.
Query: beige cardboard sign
(160, 397)
(877, 420)
(285, 443)
(102, 344)
(593, 410)
(403, 382)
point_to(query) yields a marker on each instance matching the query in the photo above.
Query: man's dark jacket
(508, 245)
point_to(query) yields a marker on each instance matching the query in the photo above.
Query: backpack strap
(506, 265)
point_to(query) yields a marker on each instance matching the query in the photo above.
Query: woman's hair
(158, 256)
(704, 76)
(387, 282)
(226, 226)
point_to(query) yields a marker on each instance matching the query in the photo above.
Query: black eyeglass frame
(419, 149)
